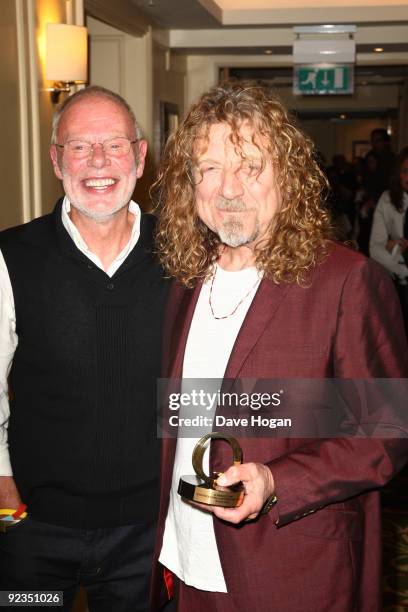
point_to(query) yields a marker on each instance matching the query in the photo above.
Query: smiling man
(241, 212)
(81, 301)
(263, 293)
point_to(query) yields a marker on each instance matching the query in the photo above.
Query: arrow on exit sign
(317, 80)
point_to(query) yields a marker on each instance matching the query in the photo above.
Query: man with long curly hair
(262, 292)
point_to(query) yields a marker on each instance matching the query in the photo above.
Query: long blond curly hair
(298, 235)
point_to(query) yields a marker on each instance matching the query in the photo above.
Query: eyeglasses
(114, 147)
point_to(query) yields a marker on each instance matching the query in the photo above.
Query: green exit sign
(318, 80)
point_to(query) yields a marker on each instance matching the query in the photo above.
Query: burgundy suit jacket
(319, 549)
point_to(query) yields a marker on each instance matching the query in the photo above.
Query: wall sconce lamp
(66, 58)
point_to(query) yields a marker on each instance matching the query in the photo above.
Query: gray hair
(94, 91)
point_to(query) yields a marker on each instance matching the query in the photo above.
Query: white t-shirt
(189, 547)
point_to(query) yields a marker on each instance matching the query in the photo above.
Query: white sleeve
(8, 345)
(380, 235)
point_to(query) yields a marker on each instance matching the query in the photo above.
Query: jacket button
(110, 286)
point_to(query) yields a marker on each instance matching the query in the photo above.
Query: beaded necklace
(239, 303)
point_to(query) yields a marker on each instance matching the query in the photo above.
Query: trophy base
(194, 489)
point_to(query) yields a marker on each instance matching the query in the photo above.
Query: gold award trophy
(204, 489)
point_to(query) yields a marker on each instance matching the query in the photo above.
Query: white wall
(169, 84)
(123, 63)
(141, 69)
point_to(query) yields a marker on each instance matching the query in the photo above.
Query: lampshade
(67, 53)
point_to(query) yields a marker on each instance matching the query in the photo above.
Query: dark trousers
(403, 296)
(113, 565)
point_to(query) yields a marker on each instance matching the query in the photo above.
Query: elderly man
(81, 307)
(262, 293)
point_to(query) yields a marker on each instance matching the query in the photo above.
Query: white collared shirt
(8, 336)
(83, 247)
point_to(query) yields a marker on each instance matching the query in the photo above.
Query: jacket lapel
(267, 300)
(180, 310)
(182, 320)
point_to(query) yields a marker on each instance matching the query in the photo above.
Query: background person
(389, 235)
(381, 147)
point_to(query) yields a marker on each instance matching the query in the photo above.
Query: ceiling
(177, 14)
(254, 39)
(258, 27)
(202, 14)
(257, 35)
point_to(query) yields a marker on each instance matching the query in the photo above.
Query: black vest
(82, 430)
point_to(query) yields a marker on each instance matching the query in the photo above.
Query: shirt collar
(80, 243)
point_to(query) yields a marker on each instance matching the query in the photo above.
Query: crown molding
(120, 14)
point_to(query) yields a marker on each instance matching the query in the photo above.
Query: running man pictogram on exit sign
(317, 80)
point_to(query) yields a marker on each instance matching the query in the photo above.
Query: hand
(259, 485)
(403, 244)
(390, 245)
(9, 496)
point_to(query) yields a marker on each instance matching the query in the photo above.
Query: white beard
(232, 233)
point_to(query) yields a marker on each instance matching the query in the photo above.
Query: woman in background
(389, 234)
